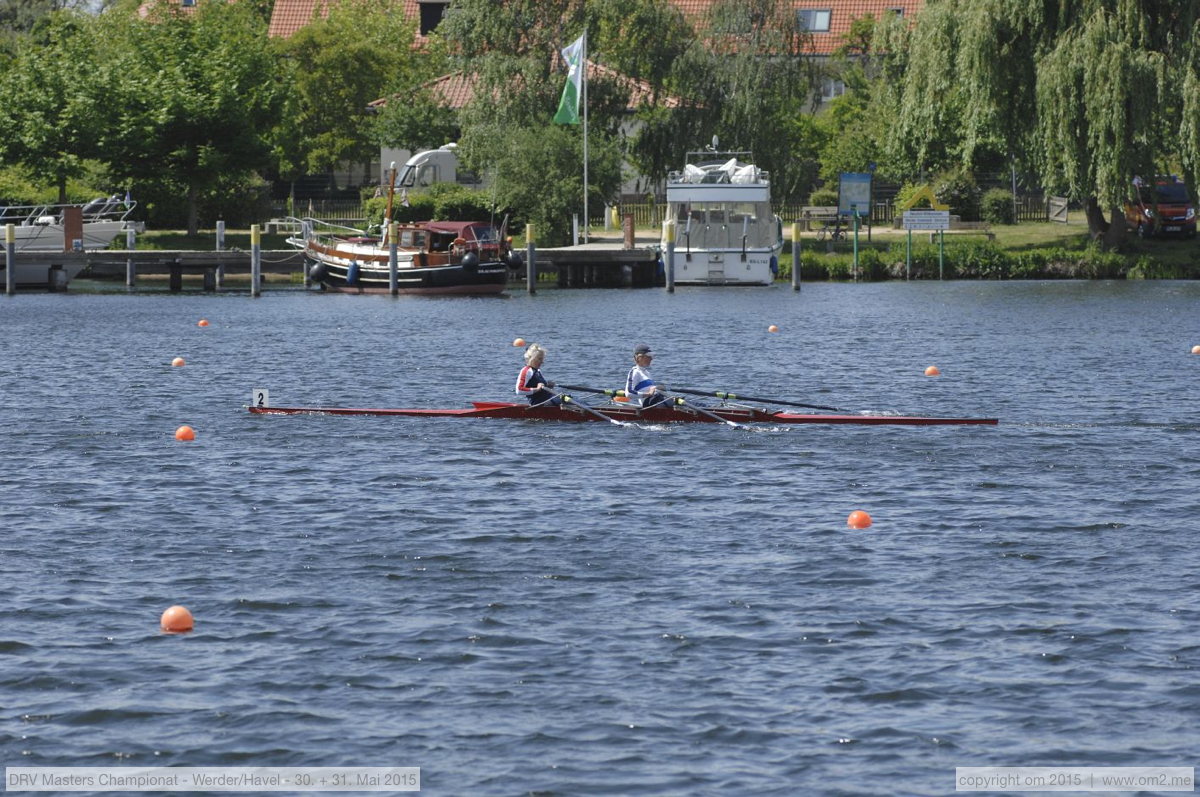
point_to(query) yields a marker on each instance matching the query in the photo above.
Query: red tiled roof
(455, 90)
(289, 16)
(842, 13)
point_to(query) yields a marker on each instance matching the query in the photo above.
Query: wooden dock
(602, 265)
(130, 264)
(605, 264)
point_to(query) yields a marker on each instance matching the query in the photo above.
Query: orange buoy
(858, 519)
(621, 399)
(203, 322)
(176, 620)
(519, 342)
(932, 371)
(178, 362)
(772, 328)
(185, 433)
(1196, 350)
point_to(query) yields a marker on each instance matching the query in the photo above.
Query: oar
(678, 401)
(568, 400)
(598, 390)
(735, 396)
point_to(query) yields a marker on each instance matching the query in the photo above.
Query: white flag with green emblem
(568, 106)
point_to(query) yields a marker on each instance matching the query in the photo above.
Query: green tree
(52, 111)
(545, 164)
(192, 97)
(1087, 94)
(415, 120)
(334, 68)
(744, 79)
(856, 129)
(509, 52)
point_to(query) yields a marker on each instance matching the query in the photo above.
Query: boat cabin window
(485, 234)
(718, 213)
(720, 225)
(411, 238)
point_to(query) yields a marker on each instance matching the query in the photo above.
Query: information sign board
(854, 194)
(926, 219)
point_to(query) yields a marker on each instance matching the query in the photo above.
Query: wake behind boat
(661, 413)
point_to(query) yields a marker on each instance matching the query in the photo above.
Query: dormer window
(431, 15)
(814, 20)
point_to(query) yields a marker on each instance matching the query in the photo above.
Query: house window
(898, 11)
(431, 15)
(831, 88)
(187, 3)
(814, 20)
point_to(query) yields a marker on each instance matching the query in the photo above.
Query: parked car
(1164, 208)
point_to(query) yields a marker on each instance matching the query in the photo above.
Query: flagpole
(586, 226)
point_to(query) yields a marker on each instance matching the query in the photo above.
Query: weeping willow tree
(1085, 93)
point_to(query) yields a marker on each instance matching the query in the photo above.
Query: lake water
(559, 609)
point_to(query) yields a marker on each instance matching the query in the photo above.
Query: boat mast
(387, 214)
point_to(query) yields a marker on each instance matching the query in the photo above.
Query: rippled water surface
(521, 607)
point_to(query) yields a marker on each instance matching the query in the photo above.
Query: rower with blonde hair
(530, 382)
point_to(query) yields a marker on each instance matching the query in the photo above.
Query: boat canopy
(731, 171)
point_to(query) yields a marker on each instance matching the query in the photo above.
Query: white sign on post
(926, 219)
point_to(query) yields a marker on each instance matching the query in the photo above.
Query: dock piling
(10, 266)
(669, 264)
(393, 260)
(130, 268)
(795, 256)
(255, 261)
(530, 261)
(220, 273)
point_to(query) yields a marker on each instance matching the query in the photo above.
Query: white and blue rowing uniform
(636, 385)
(527, 386)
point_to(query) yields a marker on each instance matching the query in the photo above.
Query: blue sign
(854, 194)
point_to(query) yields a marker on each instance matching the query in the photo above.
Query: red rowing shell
(660, 414)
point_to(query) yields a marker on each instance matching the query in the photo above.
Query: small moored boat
(725, 230)
(62, 228)
(433, 257)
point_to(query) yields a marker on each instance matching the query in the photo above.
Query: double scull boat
(661, 413)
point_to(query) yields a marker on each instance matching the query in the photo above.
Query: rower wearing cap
(530, 382)
(639, 385)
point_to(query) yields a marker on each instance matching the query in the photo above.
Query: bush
(1147, 268)
(957, 188)
(813, 266)
(979, 260)
(824, 198)
(996, 207)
